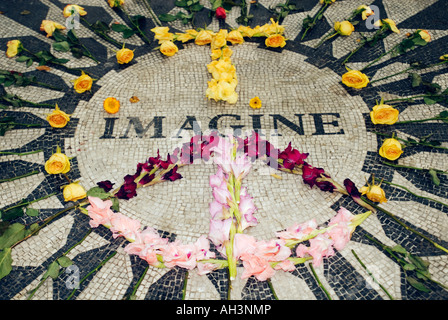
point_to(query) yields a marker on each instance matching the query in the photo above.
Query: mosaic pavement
(304, 102)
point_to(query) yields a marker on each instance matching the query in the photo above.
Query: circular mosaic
(163, 104)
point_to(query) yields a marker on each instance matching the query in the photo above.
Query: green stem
(101, 34)
(148, 6)
(321, 11)
(19, 177)
(137, 285)
(48, 86)
(422, 120)
(91, 272)
(382, 55)
(25, 124)
(370, 274)
(392, 75)
(411, 167)
(414, 194)
(272, 289)
(184, 288)
(410, 142)
(318, 281)
(325, 39)
(30, 296)
(406, 226)
(136, 26)
(19, 153)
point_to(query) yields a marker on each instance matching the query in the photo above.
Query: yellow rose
(275, 41)
(374, 193)
(384, 114)
(204, 37)
(219, 40)
(355, 79)
(227, 52)
(235, 37)
(58, 118)
(115, 3)
(184, 37)
(162, 34)
(58, 163)
(389, 22)
(344, 28)
(255, 103)
(111, 105)
(124, 55)
(391, 149)
(74, 192)
(216, 54)
(83, 83)
(71, 8)
(367, 11)
(272, 28)
(226, 92)
(14, 47)
(424, 34)
(50, 26)
(246, 31)
(444, 57)
(168, 48)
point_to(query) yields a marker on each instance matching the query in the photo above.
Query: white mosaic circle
(308, 106)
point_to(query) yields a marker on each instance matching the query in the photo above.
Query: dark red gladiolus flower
(147, 179)
(292, 157)
(310, 174)
(128, 190)
(220, 13)
(172, 175)
(105, 185)
(351, 189)
(325, 185)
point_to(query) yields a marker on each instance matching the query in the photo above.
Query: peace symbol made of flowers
(232, 211)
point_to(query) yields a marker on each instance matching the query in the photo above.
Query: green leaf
(64, 261)
(12, 234)
(29, 62)
(409, 267)
(22, 59)
(77, 52)
(128, 33)
(52, 271)
(417, 284)
(416, 79)
(181, 3)
(61, 46)
(197, 7)
(98, 192)
(216, 4)
(166, 17)
(429, 101)
(58, 36)
(435, 179)
(419, 262)
(5, 262)
(13, 213)
(398, 248)
(119, 27)
(115, 204)
(32, 212)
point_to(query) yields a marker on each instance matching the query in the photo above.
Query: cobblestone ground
(303, 102)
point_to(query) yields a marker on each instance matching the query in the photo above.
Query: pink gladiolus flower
(126, 227)
(243, 244)
(218, 210)
(222, 194)
(340, 234)
(219, 231)
(285, 265)
(203, 249)
(99, 212)
(240, 166)
(204, 268)
(177, 254)
(148, 238)
(273, 250)
(256, 266)
(216, 179)
(320, 246)
(298, 231)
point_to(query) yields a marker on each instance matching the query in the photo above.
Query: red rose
(220, 13)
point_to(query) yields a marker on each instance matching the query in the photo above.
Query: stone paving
(303, 102)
